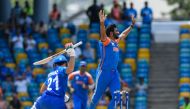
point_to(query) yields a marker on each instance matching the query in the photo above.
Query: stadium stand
(143, 65)
(18, 62)
(135, 56)
(184, 65)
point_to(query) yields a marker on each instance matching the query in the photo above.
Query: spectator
(18, 40)
(54, 13)
(28, 73)
(41, 28)
(187, 103)
(8, 85)
(116, 11)
(57, 23)
(141, 86)
(30, 28)
(30, 43)
(88, 52)
(146, 14)
(17, 9)
(24, 19)
(12, 19)
(15, 102)
(4, 71)
(102, 6)
(3, 103)
(21, 84)
(124, 6)
(132, 11)
(125, 12)
(81, 82)
(28, 9)
(92, 13)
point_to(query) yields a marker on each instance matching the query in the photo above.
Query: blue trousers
(49, 102)
(105, 79)
(79, 103)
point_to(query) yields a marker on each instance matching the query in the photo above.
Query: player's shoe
(67, 98)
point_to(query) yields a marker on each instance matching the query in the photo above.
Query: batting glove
(69, 49)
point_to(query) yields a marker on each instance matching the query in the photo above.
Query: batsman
(107, 73)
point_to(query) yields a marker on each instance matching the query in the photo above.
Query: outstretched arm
(124, 34)
(102, 18)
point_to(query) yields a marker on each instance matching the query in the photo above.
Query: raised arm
(102, 18)
(71, 52)
(124, 34)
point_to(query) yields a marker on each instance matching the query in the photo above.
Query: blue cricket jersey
(109, 53)
(57, 82)
(78, 80)
(146, 14)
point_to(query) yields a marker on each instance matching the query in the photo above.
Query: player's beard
(116, 36)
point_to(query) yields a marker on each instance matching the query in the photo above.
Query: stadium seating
(143, 64)
(135, 56)
(184, 64)
(131, 49)
(126, 74)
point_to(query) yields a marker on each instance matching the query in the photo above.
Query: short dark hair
(146, 3)
(110, 28)
(60, 63)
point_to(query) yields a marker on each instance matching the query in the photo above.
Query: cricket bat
(46, 60)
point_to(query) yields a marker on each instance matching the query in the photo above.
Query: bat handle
(74, 46)
(77, 44)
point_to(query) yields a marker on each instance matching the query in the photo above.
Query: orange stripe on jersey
(90, 80)
(71, 76)
(106, 42)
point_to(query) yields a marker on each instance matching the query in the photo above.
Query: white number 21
(53, 81)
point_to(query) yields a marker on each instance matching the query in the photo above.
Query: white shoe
(67, 98)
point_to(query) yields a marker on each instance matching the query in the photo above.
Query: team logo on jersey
(115, 49)
(113, 44)
(77, 77)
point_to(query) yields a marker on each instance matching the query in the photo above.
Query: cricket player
(81, 82)
(54, 88)
(107, 73)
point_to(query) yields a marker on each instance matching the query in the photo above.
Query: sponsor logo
(115, 49)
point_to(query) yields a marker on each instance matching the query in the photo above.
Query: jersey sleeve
(72, 75)
(150, 11)
(142, 11)
(106, 42)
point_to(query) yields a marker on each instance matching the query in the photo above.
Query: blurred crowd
(120, 13)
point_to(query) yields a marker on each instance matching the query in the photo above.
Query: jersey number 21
(53, 82)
